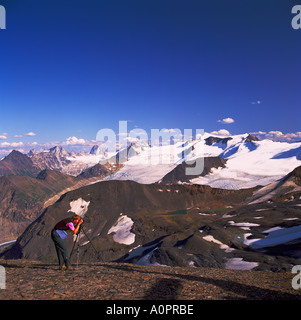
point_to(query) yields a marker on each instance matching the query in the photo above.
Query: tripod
(81, 229)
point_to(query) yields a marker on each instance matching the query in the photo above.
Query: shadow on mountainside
(248, 292)
(164, 289)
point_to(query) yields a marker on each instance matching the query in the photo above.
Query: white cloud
(221, 132)
(13, 144)
(17, 144)
(32, 144)
(5, 144)
(29, 134)
(256, 102)
(226, 121)
(276, 135)
(3, 137)
(168, 130)
(75, 141)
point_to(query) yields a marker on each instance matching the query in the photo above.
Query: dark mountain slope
(22, 199)
(150, 207)
(100, 170)
(295, 176)
(175, 225)
(280, 189)
(16, 163)
(178, 174)
(56, 180)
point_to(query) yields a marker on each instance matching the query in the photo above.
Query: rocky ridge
(173, 225)
(31, 280)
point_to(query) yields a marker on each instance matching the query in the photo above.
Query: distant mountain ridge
(249, 161)
(22, 199)
(233, 163)
(55, 159)
(17, 163)
(25, 190)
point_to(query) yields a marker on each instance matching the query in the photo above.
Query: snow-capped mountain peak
(250, 162)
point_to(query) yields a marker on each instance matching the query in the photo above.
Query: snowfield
(240, 264)
(122, 230)
(249, 163)
(79, 207)
(221, 245)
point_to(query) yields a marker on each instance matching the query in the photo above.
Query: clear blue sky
(71, 68)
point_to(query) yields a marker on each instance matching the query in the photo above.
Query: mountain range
(247, 162)
(18, 164)
(174, 225)
(27, 189)
(147, 210)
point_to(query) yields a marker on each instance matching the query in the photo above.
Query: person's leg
(61, 249)
(65, 255)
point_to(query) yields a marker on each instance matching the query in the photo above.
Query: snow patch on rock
(79, 207)
(122, 230)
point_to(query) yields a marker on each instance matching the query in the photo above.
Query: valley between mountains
(242, 212)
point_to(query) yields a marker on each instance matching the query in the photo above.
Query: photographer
(59, 233)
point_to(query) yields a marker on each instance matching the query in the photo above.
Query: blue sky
(70, 68)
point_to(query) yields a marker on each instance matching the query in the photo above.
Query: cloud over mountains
(279, 136)
(226, 121)
(78, 144)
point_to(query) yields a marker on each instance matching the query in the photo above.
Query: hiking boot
(69, 268)
(63, 267)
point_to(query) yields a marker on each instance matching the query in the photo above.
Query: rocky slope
(16, 163)
(153, 208)
(174, 225)
(30, 280)
(22, 199)
(288, 184)
(56, 159)
(178, 174)
(25, 190)
(167, 224)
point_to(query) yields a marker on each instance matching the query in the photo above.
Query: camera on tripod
(76, 242)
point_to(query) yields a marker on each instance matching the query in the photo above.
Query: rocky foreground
(30, 280)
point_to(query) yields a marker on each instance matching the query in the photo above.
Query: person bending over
(59, 234)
